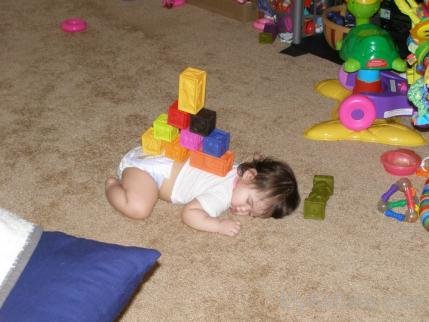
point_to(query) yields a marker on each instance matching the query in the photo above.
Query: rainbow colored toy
(411, 200)
(424, 206)
(180, 133)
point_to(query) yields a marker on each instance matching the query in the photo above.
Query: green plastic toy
(266, 38)
(164, 131)
(315, 203)
(370, 47)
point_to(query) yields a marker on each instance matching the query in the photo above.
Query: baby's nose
(244, 208)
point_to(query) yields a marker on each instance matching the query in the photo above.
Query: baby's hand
(229, 227)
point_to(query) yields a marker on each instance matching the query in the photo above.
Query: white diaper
(159, 167)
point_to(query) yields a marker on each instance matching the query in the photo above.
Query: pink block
(190, 140)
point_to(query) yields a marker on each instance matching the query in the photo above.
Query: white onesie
(213, 192)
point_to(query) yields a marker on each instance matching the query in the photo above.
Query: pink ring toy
(360, 105)
(73, 25)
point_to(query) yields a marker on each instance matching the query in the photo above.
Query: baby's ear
(249, 175)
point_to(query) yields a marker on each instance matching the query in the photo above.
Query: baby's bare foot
(110, 182)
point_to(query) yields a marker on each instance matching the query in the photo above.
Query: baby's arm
(194, 216)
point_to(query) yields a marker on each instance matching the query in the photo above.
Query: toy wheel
(357, 112)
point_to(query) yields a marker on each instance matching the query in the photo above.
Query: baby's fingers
(235, 228)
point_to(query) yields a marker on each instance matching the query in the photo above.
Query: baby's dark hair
(277, 181)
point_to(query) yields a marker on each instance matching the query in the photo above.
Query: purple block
(272, 29)
(190, 140)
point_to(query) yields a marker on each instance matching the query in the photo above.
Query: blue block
(216, 143)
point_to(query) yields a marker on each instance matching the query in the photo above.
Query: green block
(326, 182)
(164, 131)
(315, 203)
(314, 209)
(266, 38)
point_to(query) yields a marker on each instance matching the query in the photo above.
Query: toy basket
(331, 30)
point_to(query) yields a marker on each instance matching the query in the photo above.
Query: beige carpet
(72, 105)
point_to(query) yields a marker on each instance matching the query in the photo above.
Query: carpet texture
(72, 104)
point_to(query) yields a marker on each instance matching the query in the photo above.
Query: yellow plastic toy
(151, 145)
(369, 96)
(192, 90)
(384, 131)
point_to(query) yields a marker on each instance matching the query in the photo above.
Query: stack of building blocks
(189, 130)
(315, 203)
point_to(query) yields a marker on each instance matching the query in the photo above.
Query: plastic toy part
(177, 118)
(315, 203)
(418, 95)
(400, 162)
(164, 131)
(217, 143)
(219, 166)
(388, 131)
(357, 112)
(370, 56)
(175, 151)
(423, 170)
(259, 24)
(368, 46)
(424, 206)
(74, 25)
(189, 140)
(266, 38)
(151, 145)
(192, 90)
(203, 122)
(411, 201)
(271, 29)
(172, 3)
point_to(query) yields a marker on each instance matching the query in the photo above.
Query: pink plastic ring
(73, 25)
(357, 112)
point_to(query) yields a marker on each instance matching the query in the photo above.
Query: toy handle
(392, 214)
(385, 196)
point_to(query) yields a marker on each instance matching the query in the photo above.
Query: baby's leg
(134, 195)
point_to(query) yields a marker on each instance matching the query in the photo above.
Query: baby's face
(247, 201)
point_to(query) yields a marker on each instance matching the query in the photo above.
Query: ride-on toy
(359, 111)
(368, 92)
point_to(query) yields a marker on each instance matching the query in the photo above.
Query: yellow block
(150, 145)
(192, 90)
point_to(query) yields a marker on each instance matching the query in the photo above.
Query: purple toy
(358, 111)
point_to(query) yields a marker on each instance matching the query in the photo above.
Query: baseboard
(229, 8)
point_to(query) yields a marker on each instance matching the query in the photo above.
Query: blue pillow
(75, 279)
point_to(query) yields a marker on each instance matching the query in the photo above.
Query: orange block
(174, 150)
(219, 166)
(151, 145)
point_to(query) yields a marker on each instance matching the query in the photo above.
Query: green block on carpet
(266, 38)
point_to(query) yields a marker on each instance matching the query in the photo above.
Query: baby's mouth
(233, 209)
